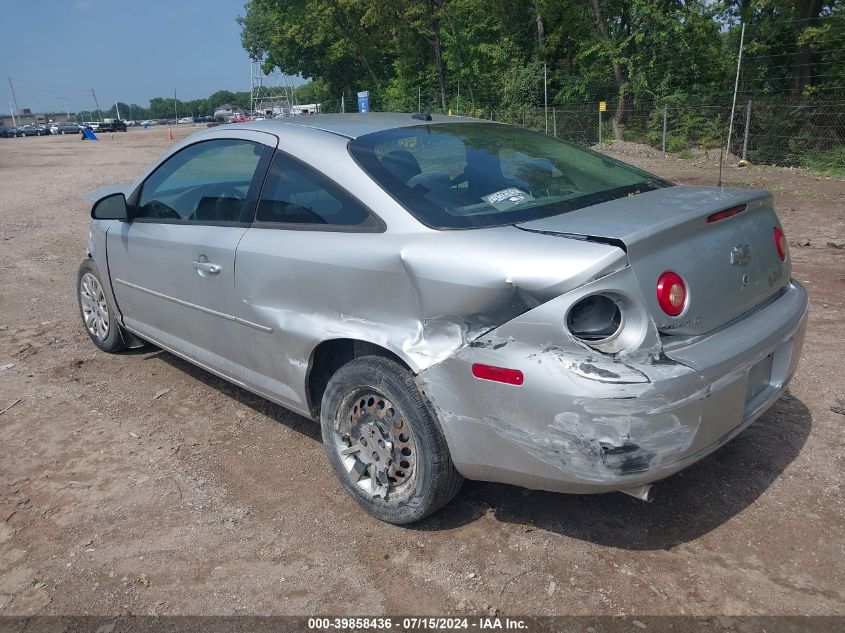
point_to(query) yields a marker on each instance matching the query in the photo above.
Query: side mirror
(112, 207)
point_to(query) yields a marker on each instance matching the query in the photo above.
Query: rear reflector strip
(721, 215)
(497, 374)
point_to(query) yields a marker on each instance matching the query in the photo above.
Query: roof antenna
(423, 116)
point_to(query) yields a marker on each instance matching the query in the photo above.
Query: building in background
(306, 108)
(274, 107)
(28, 116)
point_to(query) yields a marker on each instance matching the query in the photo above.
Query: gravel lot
(139, 484)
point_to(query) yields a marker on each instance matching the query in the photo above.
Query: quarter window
(296, 194)
(205, 182)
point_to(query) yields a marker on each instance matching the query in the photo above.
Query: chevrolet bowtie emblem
(741, 254)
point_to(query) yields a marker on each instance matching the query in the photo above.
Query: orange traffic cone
(169, 134)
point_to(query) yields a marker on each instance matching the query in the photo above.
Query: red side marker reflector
(497, 374)
(721, 215)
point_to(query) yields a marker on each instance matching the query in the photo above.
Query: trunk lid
(730, 265)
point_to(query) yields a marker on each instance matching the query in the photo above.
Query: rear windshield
(471, 175)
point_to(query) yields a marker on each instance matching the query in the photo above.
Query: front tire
(384, 443)
(99, 317)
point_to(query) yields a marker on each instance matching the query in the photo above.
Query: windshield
(471, 175)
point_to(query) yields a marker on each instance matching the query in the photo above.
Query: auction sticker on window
(506, 198)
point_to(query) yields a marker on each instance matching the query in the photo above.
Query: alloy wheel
(95, 309)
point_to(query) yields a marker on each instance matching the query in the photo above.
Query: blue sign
(364, 101)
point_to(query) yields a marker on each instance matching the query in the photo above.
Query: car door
(302, 267)
(172, 265)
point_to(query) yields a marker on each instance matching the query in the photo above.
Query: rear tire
(99, 318)
(384, 443)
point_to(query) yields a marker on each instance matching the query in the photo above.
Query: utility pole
(664, 131)
(419, 99)
(15, 99)
(14, 124)
(175, 111)
(599, 128)
(458, 102)
(117, 109)
(97, 103)
(747, 127)
(736, 87)
(546, 97)
(342, 104)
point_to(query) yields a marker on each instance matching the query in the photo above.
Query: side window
(296, 194)
(205, 182)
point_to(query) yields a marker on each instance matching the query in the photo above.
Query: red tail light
(497, 374)
(780, 243)
(671, 293)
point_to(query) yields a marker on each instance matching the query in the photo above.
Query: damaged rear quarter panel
(581, 421)
(423, 296)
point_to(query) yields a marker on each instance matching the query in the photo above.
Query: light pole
(15, 99)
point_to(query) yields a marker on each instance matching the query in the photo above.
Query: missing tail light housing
(594, 319)
(780, 243)
(671, 293)
(608, 321)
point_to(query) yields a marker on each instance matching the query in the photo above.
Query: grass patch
(829, 163)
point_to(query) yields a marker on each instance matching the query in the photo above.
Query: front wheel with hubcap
(384, 443)
(96, 311)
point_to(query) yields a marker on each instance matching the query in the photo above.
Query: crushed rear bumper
(583, 432)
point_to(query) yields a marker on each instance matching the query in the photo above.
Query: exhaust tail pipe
(643, 493)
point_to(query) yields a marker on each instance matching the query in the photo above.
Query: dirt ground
(138, 484)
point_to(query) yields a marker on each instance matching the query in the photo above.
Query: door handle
(207, 267)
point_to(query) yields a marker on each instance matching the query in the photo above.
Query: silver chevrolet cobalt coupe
(454, 298)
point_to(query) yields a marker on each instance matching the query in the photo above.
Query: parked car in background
(112, 125)
(32, 130)
(8, 132)
(452, 298)
(68, 127)
(187, 119)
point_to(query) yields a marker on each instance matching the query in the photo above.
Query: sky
(56, 51)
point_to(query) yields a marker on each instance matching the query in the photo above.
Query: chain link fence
(787, 131)
(782, 131)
